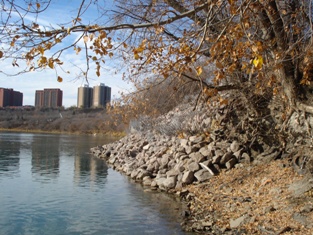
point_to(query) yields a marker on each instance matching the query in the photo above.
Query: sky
(28, 83)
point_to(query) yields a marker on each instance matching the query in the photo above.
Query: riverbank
(240, 173)
(228, 188)
(70, 121)
(116, 135)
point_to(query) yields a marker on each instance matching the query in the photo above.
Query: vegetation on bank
(71, 121)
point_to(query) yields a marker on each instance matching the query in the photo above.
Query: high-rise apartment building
(39, 98)
(50, 98)
(9, 97)
(84, 98)
(98, 96)
(101, 95)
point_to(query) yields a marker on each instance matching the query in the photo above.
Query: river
(50, 184)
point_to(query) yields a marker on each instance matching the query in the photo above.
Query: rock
(235, 223)
(302, 220)
(183, 157)
(219, 152)
(141, 174)
(231, 163)
(160, 182)
(147, 181)
(112, 160)
(170, 182)
(197, 157)
(180, 167)
(234, 146)
(193, 166)
(246, 157)
(188, 177)
(164, 160)
(210, 168)
(196, 139)
(202, 175)
(205, 152)
(226, 157)
(184, 143)
(191, 149)
(300, 187)
(216, 159)
(307, 208)
(134, 173)
(154, 184)
(146, 147)
(172, 172)
(132, 153)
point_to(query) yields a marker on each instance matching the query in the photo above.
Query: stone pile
(169, 163)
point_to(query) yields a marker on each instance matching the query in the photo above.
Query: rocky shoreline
(179, 165)
(170, 163)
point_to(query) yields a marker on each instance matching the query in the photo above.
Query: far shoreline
(35, 131)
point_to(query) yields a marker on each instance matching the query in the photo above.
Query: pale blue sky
(59, 12)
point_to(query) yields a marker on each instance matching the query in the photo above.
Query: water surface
(49, 184)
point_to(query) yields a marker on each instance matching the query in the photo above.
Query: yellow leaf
(258, 61)
(78, 49)
(12, 44)
(38, 5)
(223, 101)
(60, 79)
(50, 63)
(111, 54)
(58, 40)
(199, 70)
(137, 57)
(41, 50)
(42, 61)
(124, 45)
(68, 30)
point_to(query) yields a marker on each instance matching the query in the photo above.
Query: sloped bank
(210, 168)
(227, 190)
(170, 163)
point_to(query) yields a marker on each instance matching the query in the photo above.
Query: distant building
(39, 98)
(50, 98)
(101, 95)
(98, 96)
(9, 97)
(84, 98)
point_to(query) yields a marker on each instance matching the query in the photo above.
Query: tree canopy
(253, 46)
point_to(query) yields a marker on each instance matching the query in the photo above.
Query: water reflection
(9, 154)
(61, 189)
(46, 155)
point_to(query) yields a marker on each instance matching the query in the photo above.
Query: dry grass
(260, 192)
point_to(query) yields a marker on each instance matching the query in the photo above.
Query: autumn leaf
(136, 56)
(60, 79)
(41, 50)
(50, 63)
(199, 70)
(219, 65)
(258, 61)
(1, 54)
